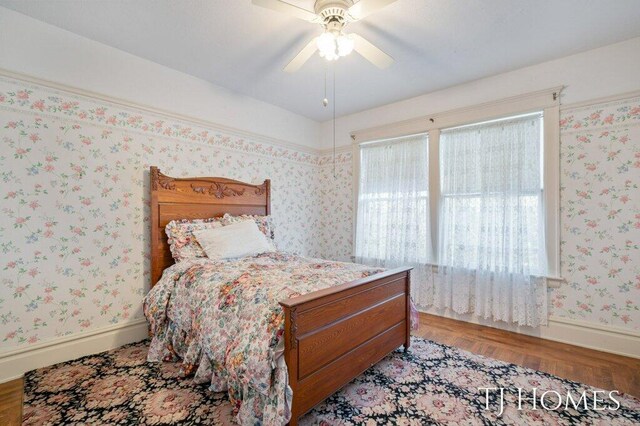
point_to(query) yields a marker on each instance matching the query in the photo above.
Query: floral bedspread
(223, 321)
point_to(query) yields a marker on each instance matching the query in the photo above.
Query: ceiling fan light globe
(326, 42)
(328, 46)
(345, 45)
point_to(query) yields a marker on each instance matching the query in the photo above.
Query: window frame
(545, 101)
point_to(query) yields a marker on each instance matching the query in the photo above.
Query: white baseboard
(579, 333)
(14, 363)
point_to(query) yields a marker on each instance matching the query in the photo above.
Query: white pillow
(232, 241)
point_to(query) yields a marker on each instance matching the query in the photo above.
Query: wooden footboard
(334, 335)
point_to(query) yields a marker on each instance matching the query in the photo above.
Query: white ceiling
(435, 43)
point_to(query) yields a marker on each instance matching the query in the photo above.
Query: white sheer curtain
(491, 234)
(392, 226)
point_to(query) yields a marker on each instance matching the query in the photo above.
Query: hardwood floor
(599, 369)
(11, 402)
(595, 368)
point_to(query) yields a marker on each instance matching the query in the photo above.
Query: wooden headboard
(197, 198)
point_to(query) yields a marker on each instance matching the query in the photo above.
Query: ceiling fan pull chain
(334, 121)
(325, 101)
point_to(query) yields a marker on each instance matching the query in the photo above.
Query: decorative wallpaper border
(624, 114)
(341, 158)
(65, 103)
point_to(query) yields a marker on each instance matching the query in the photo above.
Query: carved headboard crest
(218, 190)
(163, 181)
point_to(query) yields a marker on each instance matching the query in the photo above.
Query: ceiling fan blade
(366, 7)
(371, 53)
(289, 9)
(302, 57)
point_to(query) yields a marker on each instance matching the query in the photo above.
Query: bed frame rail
(334, 335)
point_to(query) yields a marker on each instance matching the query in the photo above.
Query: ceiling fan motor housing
(333, 13)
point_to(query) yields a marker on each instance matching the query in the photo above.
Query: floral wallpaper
(336, 192)
(600, 218)
(74, 228)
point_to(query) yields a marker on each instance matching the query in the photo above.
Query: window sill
(552, 281)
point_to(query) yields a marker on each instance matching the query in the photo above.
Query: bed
(331, 335)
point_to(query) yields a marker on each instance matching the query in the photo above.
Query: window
(543, 104)
(492, 196)
(393, 227)
(477, 200)
(393, 202)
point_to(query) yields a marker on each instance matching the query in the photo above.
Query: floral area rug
(432, 384)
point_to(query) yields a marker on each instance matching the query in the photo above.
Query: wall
(600, 171)
(336, 192)
(600, 237)
(75, 217)
(41, 50)
(74, 182)
(74, 229)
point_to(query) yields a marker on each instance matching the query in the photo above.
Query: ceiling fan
(333, 16)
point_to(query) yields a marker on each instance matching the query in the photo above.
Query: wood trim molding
(593, 326)
(520, 104)
(425, 123)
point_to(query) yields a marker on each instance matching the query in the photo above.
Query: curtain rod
(393, 139)
(496, 120)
